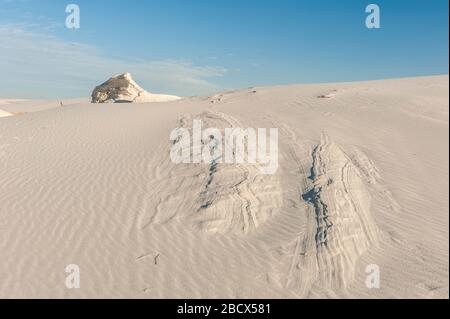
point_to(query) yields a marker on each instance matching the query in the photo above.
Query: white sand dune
(362, 180)
(10, 101)
(22, 106)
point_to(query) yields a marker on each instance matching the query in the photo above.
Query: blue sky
(194, 47)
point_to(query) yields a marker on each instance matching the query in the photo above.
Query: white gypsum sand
(362, 180)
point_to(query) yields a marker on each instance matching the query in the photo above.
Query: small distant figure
(61, 104)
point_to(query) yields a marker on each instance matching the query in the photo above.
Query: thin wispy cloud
(36, 62)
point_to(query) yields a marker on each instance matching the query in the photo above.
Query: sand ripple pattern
(217, 197)
(340, 225)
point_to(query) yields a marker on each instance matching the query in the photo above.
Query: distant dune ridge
(362, 184)
(123, 89)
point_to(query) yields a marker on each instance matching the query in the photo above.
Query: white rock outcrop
(5, 114)
(123, 89)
